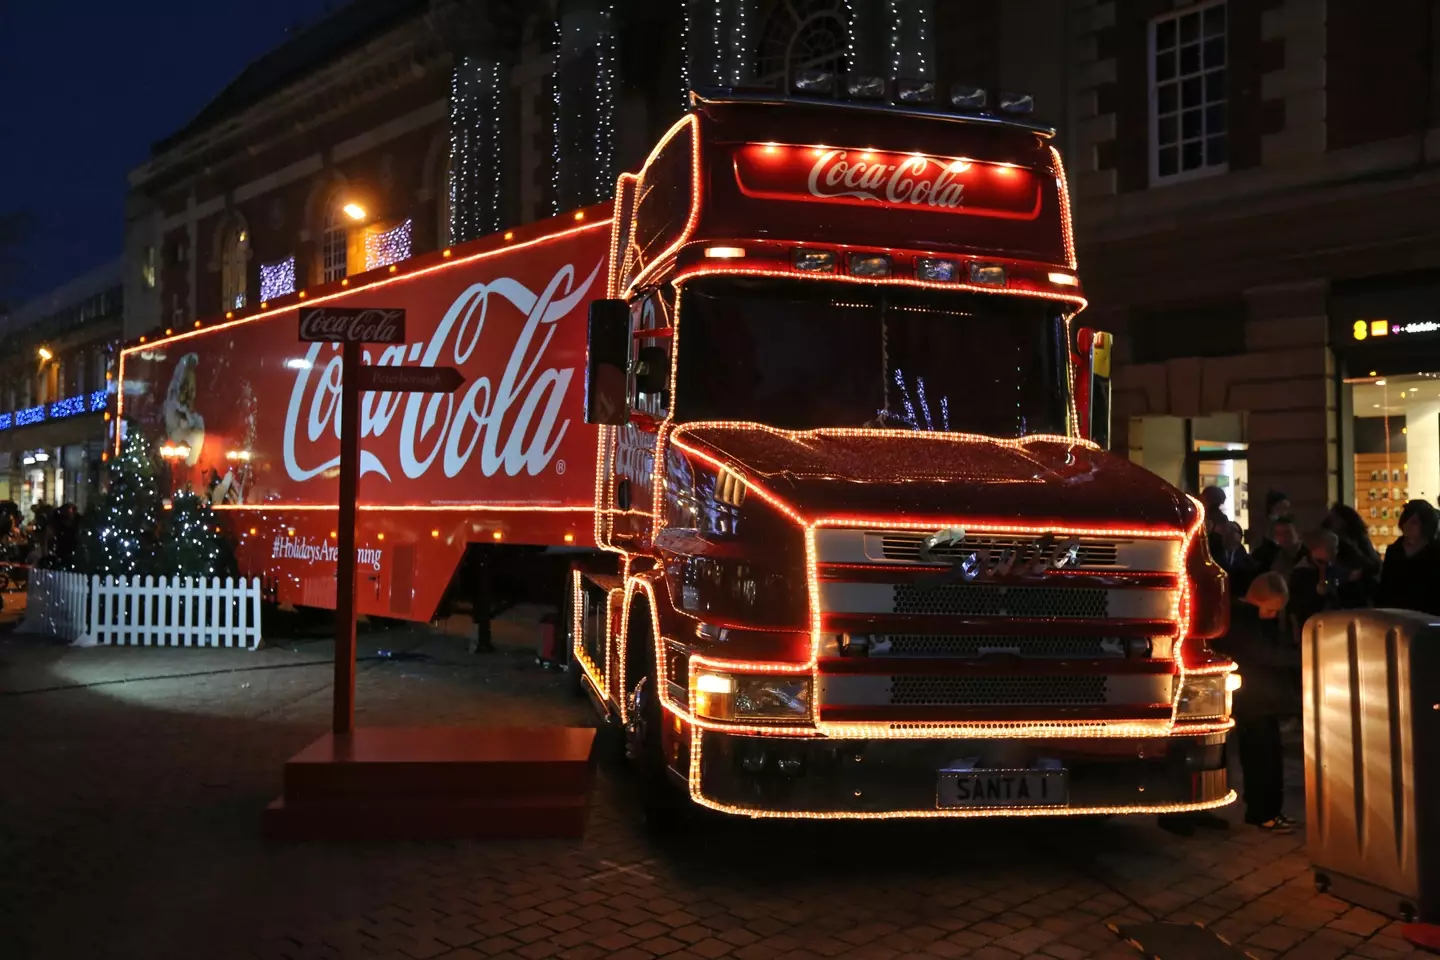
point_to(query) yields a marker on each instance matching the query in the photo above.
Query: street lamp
(354, 211)
(45, 354)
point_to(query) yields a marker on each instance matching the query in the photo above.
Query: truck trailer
(812, 413)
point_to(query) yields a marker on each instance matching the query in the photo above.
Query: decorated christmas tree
(121, 536)
(195, 545)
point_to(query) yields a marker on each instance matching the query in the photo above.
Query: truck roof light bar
(869, 265)
(1017, 104)
(990, 274)
(725, 253)
(815, 83)
(936, 270)
(966, 96)
(861, 87)
(814, 261)
(915, 91)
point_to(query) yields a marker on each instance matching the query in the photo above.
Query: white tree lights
(585, 88)
(909, 39)
(475, 158)
(606, 91)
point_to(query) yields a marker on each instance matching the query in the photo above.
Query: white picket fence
(146, 611)
(55, 603)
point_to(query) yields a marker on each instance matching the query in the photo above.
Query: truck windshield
(803, 354)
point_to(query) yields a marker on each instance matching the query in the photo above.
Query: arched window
(335, 243)
(234, 257)
(802, 35)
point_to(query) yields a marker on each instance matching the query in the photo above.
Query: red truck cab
(869, 555)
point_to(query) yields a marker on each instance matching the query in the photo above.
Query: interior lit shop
(1386, 336)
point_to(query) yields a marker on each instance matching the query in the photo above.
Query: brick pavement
(134, 780)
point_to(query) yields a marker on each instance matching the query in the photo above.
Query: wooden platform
(436, 782)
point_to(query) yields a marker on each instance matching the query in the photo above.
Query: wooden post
(345, 530)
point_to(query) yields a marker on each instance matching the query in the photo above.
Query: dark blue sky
(87, 85)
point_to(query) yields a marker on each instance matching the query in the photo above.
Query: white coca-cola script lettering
(363, 326)
(917, 181)
(449, 427)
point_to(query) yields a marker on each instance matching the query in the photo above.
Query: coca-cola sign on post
(352, 325)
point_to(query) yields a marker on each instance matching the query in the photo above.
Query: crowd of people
(1288, 578)
(49, 539)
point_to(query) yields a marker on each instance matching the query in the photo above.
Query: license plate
(1002, 788)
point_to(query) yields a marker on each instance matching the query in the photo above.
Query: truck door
(636, 442)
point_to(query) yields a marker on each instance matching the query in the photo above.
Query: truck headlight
(1207, 696)
(748, 696)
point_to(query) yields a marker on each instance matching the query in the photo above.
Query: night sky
(88, 86)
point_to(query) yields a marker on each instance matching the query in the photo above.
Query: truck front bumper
(785, 777)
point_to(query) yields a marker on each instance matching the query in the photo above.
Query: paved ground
(133, 780)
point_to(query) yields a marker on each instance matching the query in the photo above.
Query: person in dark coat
(1269, 670)
(1319, 579)
(1410, 576)
(1282, 548)
(1357, 555)
(1233, 558)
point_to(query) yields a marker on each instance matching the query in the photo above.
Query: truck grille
(1056, 691)
(948, 645)
(987, 600)
(906, 546)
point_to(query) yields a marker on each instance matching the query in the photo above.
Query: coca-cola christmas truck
(829, 453)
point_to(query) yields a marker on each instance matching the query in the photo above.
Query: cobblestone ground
(132, 780)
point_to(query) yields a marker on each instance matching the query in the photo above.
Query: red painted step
(429, 782)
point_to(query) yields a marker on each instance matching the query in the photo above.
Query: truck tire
(664, 805)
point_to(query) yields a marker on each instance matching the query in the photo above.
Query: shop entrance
(1198, 452)
(1395, 446)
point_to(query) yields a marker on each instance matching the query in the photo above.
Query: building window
(335, 245)
(1187, 93)
(147, 268)
(800, 35)
(234, 254)
(277, 279)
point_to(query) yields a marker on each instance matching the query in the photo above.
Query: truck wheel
(665, 807)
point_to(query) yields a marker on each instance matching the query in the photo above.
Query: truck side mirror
(607, 360)
(1100, 343)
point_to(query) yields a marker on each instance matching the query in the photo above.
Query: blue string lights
(909, 417)
(73, 406)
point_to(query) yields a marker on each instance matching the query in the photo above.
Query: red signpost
(352, 327)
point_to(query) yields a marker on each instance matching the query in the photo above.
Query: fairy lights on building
(277, 279)
(475, 148)
(391, 246)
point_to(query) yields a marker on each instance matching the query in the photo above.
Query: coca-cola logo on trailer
(915, 180)
(352, 325)
(514, 424)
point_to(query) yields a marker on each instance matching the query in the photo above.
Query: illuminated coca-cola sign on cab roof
(955, 185)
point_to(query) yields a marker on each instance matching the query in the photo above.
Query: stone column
(1287, 387)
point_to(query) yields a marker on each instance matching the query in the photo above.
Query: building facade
(396, 127)
(1253, 191)
(57, 356)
